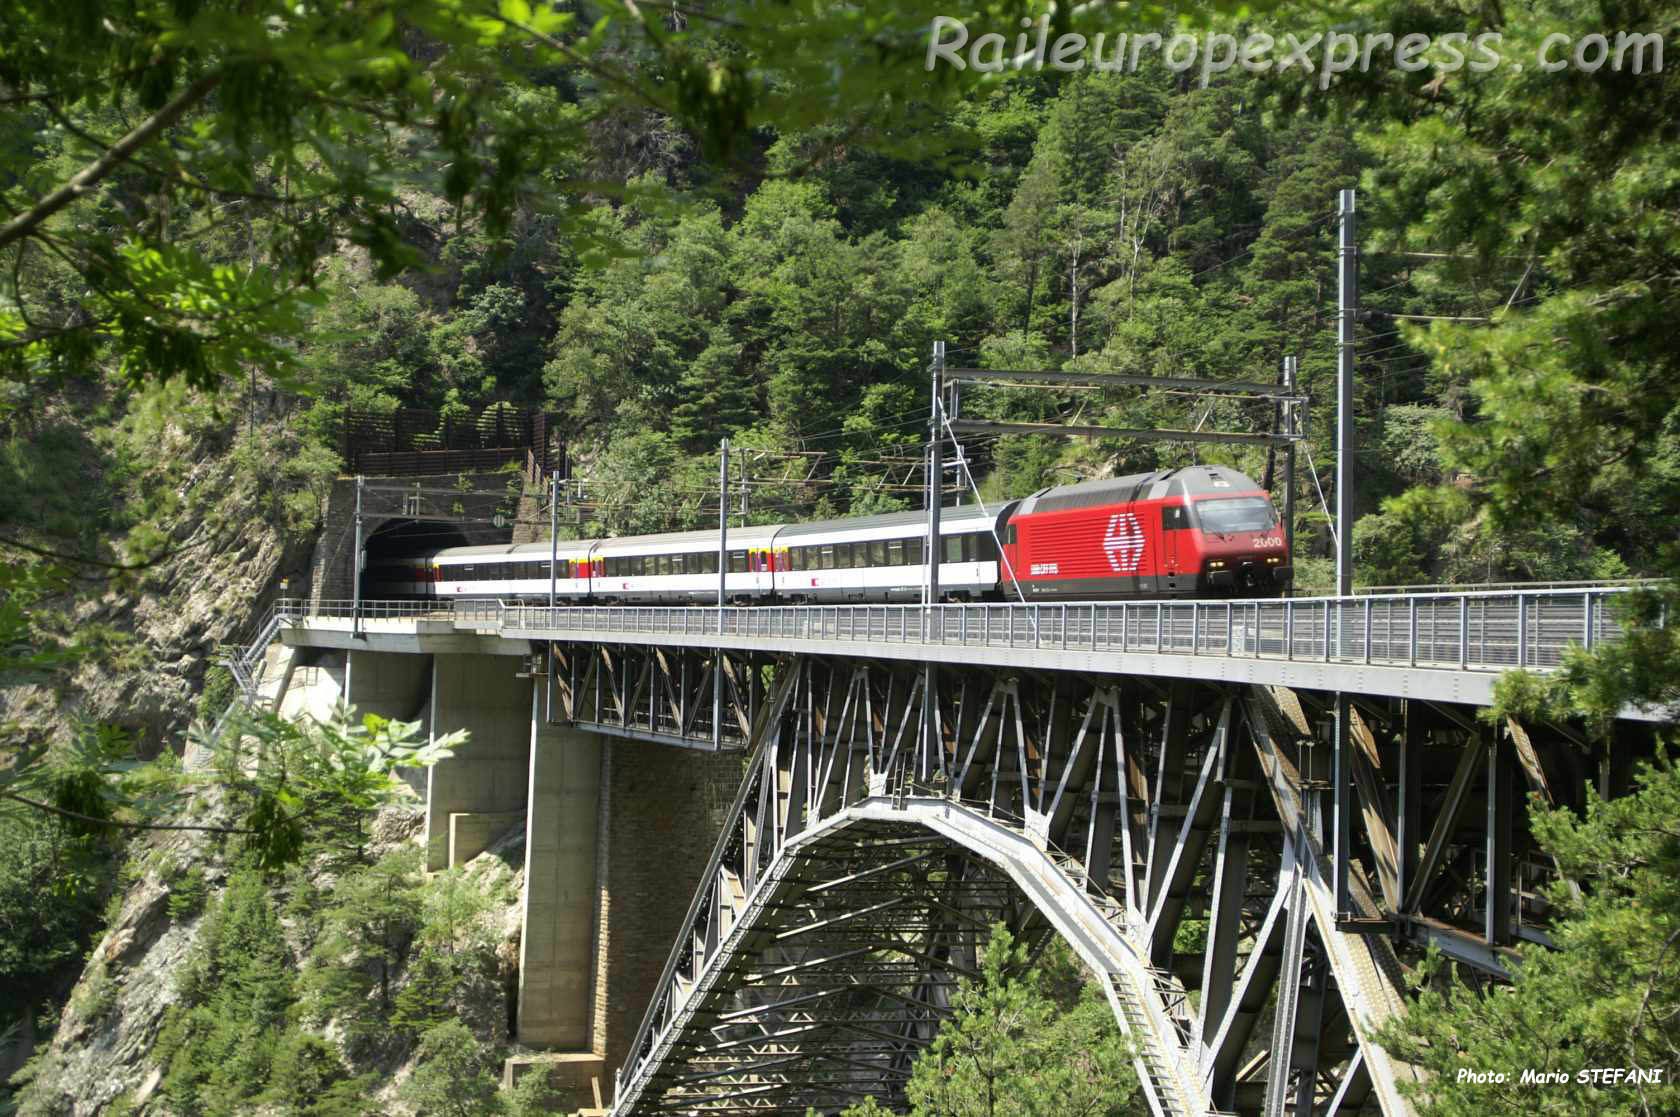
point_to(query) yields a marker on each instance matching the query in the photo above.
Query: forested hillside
(1130, 223)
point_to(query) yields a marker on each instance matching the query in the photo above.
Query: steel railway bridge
(1244, 817)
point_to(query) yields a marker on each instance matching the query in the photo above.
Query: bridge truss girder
(667, 695)
(1179, 835)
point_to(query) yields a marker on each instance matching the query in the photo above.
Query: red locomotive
(1199, 531)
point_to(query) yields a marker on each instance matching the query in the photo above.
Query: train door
(1174, 519)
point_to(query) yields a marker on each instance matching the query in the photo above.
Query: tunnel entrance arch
(408, 516)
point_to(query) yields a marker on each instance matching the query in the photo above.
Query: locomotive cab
(1241, 543)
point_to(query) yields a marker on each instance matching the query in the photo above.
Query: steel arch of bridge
(1174, 833)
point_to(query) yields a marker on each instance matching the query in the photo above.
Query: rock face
(112, 1019)
(100, 1060)
(227, 550)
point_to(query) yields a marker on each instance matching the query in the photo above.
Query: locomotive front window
(1238, 513)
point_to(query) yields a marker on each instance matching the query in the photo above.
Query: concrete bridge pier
(390, 684)
(395, 686)
(557, 990)
(481, 790)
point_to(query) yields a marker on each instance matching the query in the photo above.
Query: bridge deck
(1446, 647)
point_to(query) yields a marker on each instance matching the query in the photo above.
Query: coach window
(1174, 515)
(895, 552)
(737, 562)
(953, 549)
(878, 552)
(913, 551)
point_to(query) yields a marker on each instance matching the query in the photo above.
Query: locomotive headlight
(1217, 564)
(1273, 560)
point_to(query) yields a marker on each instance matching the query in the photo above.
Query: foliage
(218, 1047)
(218, 693)
(534, 1094)
(453, 1078)
(364, 929)
(1010, 1047)
(1608, 996)
(304, 987)
(53, 881)
(296, 779)
(311, 1080)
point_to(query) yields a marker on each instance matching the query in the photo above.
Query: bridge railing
(1480, 631)
(1466, 631)
(293, 608)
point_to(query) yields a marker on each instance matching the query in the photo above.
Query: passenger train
(1197, 531)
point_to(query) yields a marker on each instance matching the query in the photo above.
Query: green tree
(311, 1080)
(218, 1047)
(303, 781)
(1608, 996)
(1013, 1046)
(368, 922)
(52, 884)
(453, 1076)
